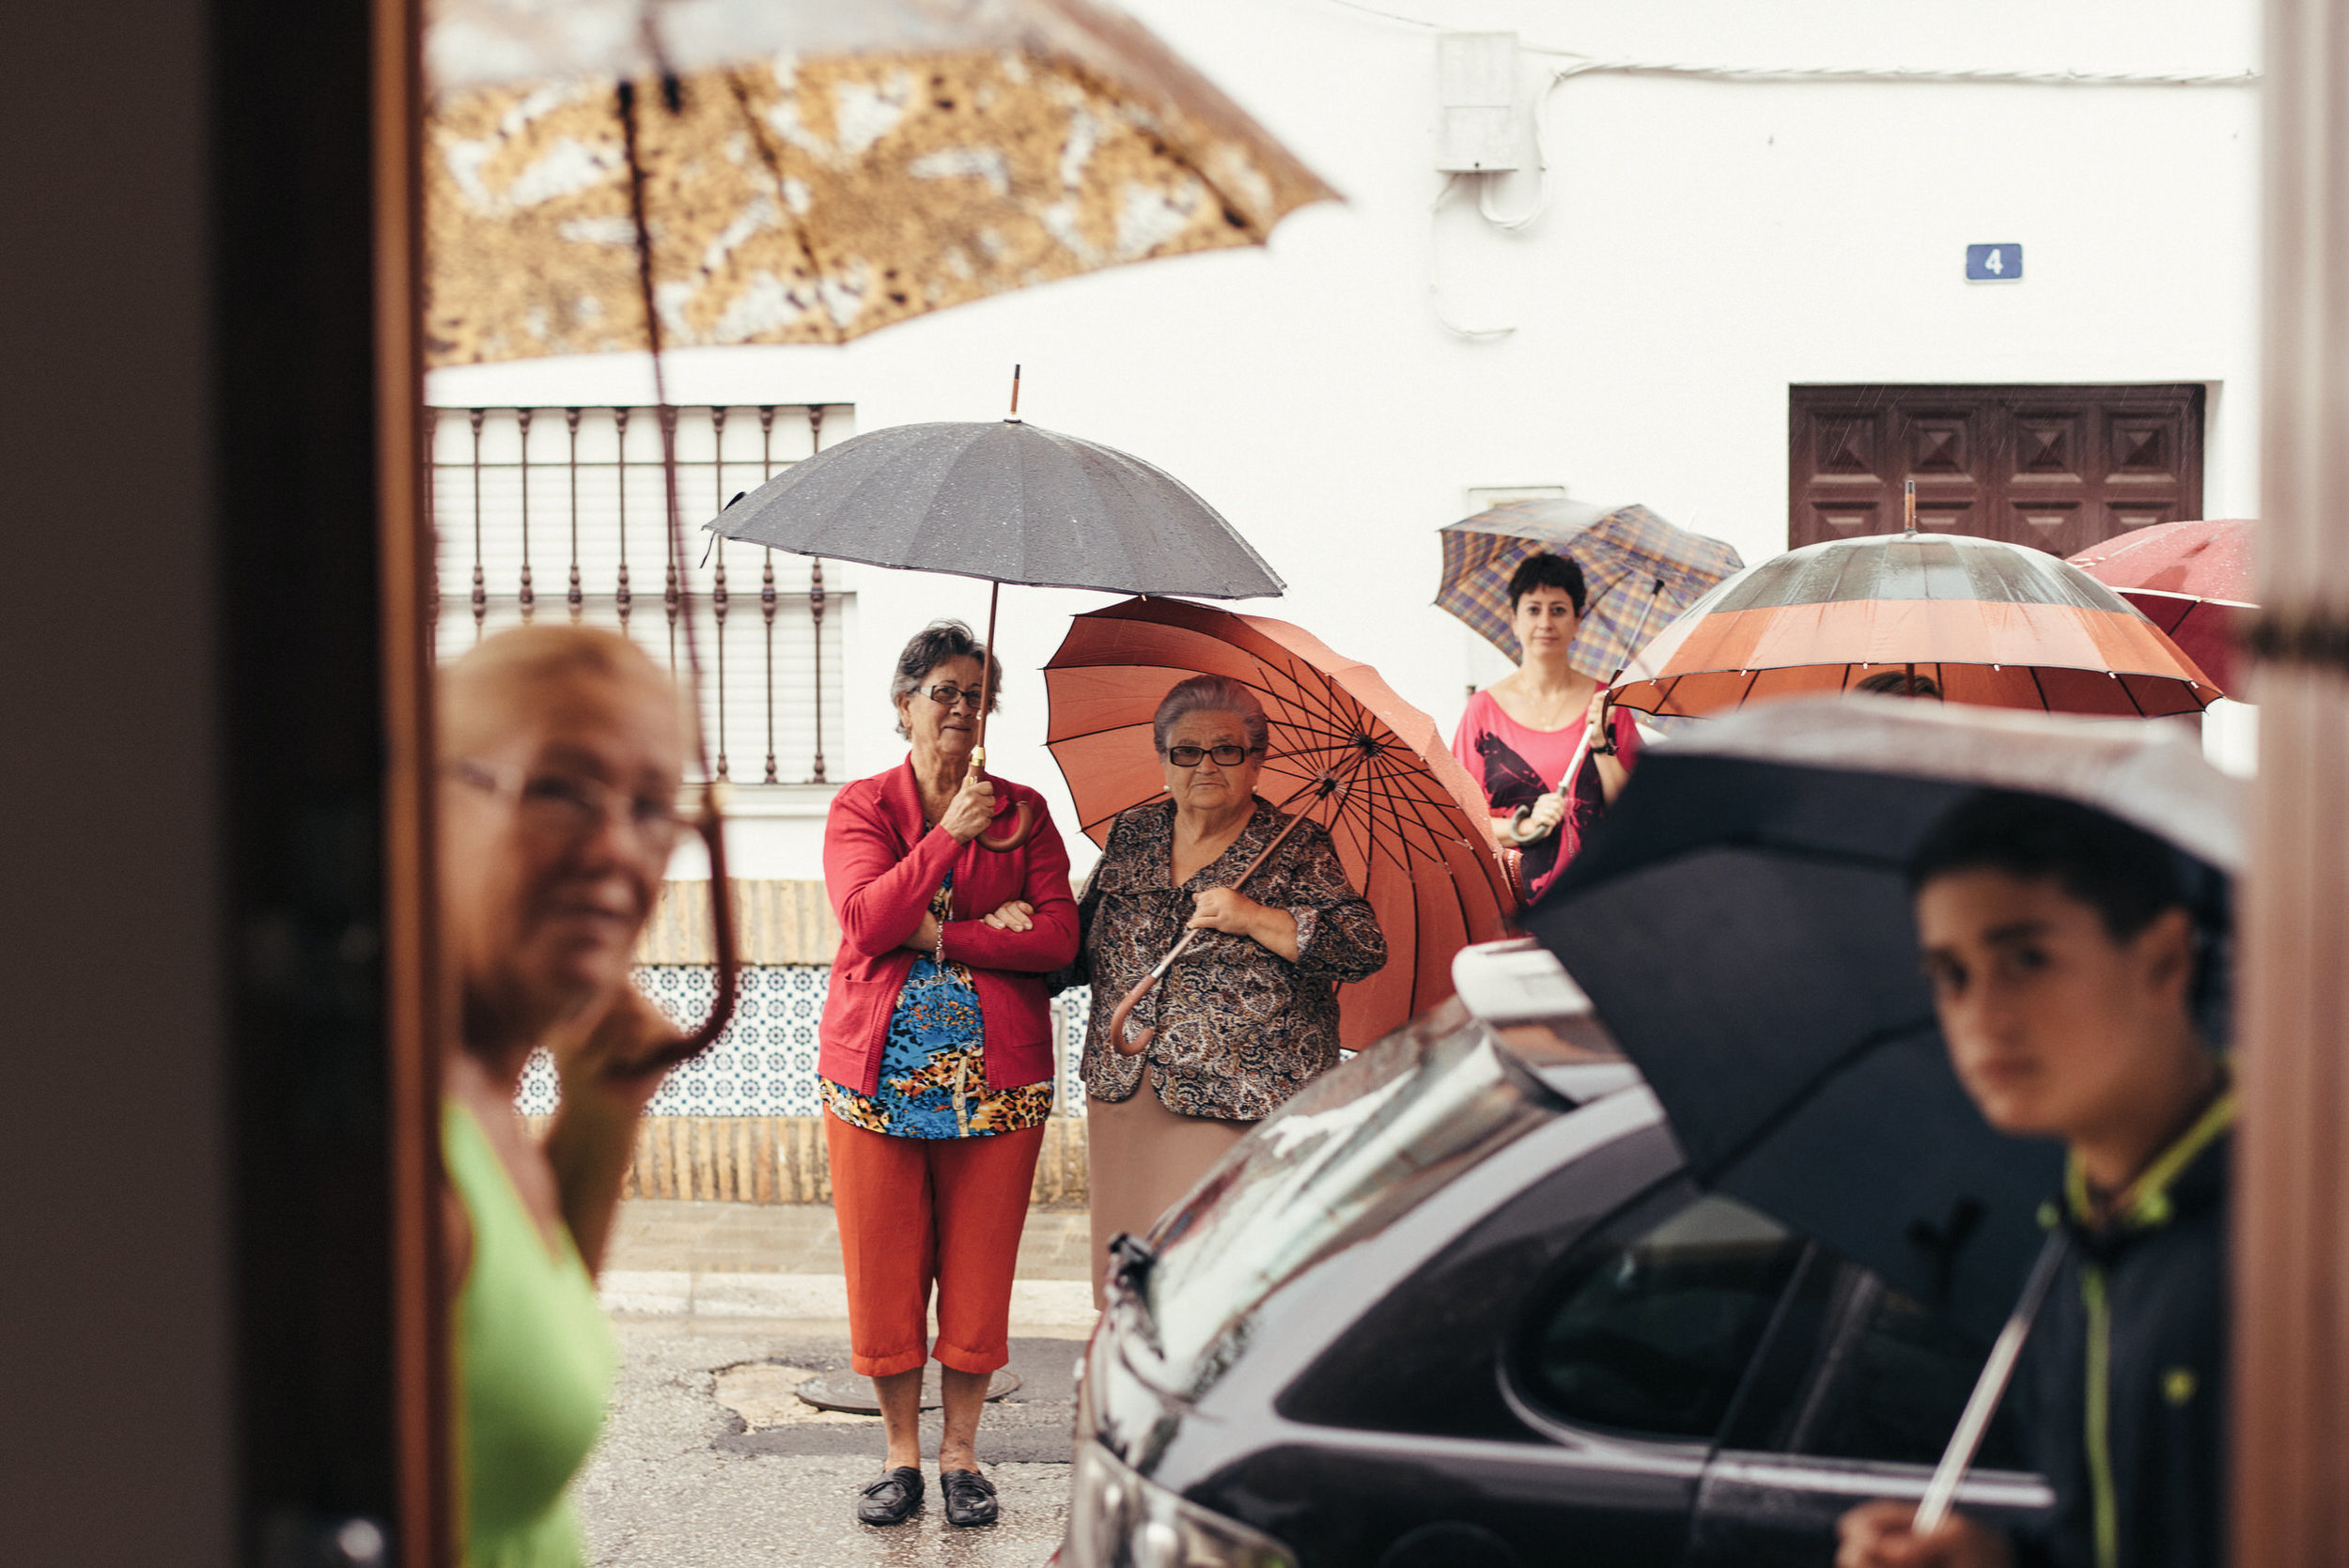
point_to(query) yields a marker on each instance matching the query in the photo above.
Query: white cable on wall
(1435, 286)
(1587, 65)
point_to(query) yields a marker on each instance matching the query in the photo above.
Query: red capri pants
(918, 1211)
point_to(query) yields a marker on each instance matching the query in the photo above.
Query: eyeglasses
(950, 695)
(565, 806)
(1189, 756)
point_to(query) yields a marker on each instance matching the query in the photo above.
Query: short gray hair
(1211, 694)
(933, 646)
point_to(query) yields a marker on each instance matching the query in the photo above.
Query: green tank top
(532, 1361)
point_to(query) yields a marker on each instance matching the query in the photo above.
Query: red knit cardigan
(881, 869)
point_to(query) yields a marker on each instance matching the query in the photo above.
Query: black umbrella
(1741, 922)
(1006, 502)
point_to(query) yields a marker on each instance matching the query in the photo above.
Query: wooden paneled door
(2059, 468)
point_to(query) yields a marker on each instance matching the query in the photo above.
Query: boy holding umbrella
(2070, 976)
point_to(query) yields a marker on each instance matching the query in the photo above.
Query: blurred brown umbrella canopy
(812, 170)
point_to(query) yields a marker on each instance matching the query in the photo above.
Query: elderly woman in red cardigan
(936, 1063)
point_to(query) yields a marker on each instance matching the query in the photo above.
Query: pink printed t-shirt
(1518, 764)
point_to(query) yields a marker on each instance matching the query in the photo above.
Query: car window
(1892, 1381)
(1652, 1334)
(1348, 1154)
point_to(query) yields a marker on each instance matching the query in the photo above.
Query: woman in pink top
(1520, 733)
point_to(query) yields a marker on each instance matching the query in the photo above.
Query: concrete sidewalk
(710, 1460)
(671, 1258)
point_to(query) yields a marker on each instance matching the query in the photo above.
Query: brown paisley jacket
(1239, 1028)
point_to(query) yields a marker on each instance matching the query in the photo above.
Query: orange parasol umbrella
(2193, 579)
(1408, 823)
(1994, 623)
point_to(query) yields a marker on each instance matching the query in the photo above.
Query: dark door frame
(322, 561)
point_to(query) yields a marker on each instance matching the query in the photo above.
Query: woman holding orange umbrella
(1292, 859)
(1252, 1016)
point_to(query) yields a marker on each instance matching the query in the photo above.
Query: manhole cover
(843, 1391)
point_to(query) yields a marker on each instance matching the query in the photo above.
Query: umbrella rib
(1343, 808)
(1334, 742)
(1318, 692)
(1391, 787)
(1378, 792)
(1088, 734)
(1341, 736)
(774, 170)
(1418, 816)
(1322, 690)
(1378, 846)
(1311, 696)
(1444, 818)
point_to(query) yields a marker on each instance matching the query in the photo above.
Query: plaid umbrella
(1641, 571)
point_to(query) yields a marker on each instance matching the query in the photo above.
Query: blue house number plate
(1994, 264)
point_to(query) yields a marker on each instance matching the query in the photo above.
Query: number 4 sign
(1994, 264)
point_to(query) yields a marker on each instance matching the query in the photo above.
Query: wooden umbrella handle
(1013, 836)
(1136, 1044)
(711, 826)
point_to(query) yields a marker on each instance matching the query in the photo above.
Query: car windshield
(1349, 1153)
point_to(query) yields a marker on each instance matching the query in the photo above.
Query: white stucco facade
(1707, 244)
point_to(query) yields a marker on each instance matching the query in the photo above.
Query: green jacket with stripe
(2121, 1396)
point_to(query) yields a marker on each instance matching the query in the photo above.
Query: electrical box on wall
(1476, 75)
(1483, 498)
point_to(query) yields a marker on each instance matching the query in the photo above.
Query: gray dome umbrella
(1006, 502)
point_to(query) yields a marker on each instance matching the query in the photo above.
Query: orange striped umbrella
(1408, 823)
(1994, 623)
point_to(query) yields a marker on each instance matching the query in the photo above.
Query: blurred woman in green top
(562, 751)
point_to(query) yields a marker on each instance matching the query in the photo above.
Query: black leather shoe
(970, 1498)
(893, 1499)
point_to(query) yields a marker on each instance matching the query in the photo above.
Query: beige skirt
(1143, 1159)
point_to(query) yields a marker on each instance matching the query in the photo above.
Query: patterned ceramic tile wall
(764, 1064)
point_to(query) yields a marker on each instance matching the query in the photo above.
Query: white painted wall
(1708, 243)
